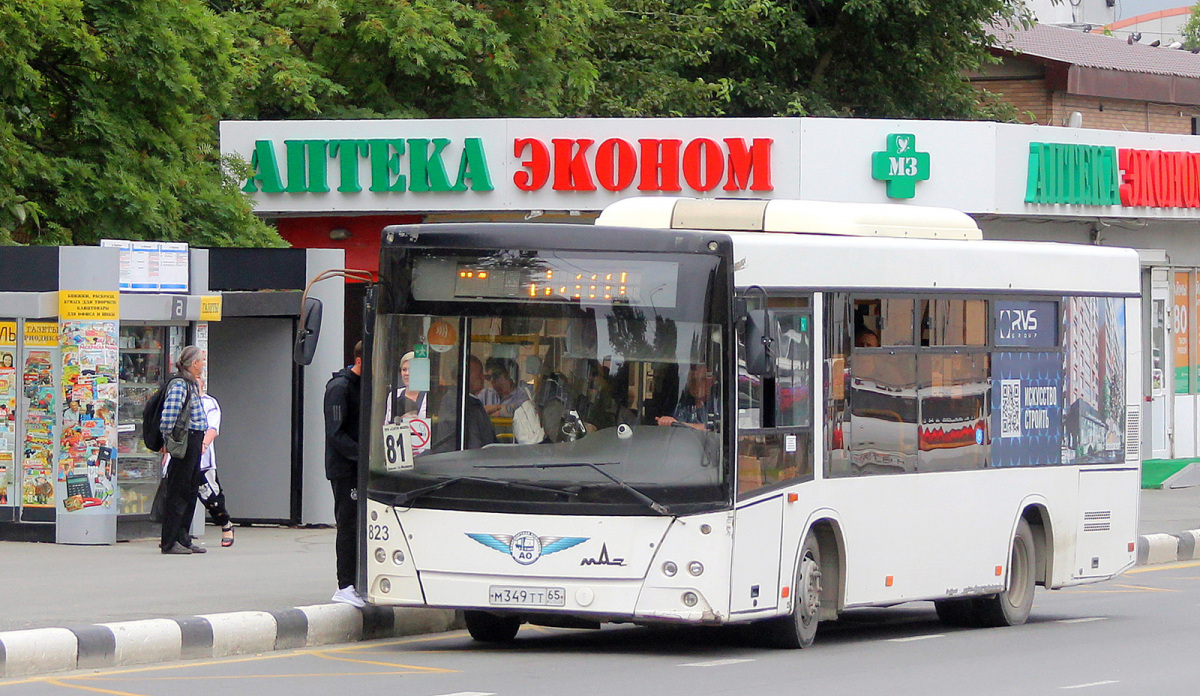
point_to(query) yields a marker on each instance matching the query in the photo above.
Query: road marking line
(1088, 619)
(338, 658)
(245, 677)
(98, 690)
(1146, 589)
(717, 663)
(1085, 686)
(915, 638)
(1162, 566)
(471, 693)
(367, 645)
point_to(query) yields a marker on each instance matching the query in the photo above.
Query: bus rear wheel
(486, 627)
(799, 629)
(1012, 606)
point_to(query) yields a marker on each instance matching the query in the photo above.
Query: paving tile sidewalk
(267, 568)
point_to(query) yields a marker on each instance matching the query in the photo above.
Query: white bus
(745, 412)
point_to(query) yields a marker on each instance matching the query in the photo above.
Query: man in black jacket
(341, 468)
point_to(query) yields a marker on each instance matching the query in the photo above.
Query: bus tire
(486, 627)
(1011, 607)
(957, 612)
(799, 629)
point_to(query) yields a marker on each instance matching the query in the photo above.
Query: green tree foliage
(108, 115)
(1191, 29)
(863, 58)
(399, 59)
(109, 108)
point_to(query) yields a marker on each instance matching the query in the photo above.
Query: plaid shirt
(173, 403)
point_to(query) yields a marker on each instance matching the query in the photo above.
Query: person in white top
(211, 495)
(410, 406)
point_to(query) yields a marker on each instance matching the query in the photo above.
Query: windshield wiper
(404, 498)
(650, 502)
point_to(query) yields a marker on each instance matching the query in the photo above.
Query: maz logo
(603, 559)
(1015, 323)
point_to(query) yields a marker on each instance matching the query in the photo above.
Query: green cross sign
(900, 165)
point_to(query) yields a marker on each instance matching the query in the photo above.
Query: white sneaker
(348, 595)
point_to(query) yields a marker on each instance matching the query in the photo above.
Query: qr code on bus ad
(1010, 408)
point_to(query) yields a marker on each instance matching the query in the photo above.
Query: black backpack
(152, 418)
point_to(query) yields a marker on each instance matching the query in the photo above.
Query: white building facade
(332, 180)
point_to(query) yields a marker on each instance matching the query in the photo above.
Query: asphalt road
(1133, 635)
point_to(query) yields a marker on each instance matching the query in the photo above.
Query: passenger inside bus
(477, 425)
(509, 403)
(407, 402)
(866, 338)
(505, 392)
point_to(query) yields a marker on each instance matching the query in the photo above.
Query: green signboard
(900, 165)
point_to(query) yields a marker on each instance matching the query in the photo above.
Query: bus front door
(754, 580)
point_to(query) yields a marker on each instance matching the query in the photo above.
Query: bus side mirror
(760, 344)
(310, 330)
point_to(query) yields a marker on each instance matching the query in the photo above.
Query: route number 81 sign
(397, 447)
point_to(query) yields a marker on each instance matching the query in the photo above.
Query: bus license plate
(505, 595)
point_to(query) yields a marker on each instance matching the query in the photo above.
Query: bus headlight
(669, 569)
(380, 555)
(385, 585)
(696, 568)
(398, 557)
(690, 599)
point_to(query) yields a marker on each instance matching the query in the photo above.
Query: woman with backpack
(212, 494)
(183, 413)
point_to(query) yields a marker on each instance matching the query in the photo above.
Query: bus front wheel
(491, 628)
(799, 629)
(1011, 607)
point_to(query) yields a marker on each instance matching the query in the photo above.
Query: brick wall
(1037, 104)
(1029, 96)
(1123, 114)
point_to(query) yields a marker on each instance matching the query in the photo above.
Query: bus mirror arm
(310, 314)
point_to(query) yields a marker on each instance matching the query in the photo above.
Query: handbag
(160, 501)
(177, 439)
(527, 429)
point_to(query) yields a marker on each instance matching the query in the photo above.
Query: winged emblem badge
(526, 547)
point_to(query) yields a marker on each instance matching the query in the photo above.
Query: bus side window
(886, 321)
(953, 322)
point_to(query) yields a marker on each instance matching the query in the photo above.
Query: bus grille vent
(1133, 434)
(1097, 521)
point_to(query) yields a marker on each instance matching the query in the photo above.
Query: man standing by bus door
(341, 468)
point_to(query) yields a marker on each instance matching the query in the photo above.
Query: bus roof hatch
(792, 216)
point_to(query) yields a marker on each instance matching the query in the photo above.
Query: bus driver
(699, 408)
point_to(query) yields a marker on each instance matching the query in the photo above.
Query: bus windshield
(524, 390)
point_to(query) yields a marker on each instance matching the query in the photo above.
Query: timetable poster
(86, 470)
(1026, 408)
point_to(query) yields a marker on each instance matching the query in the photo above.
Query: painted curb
(1168, 548)
(94, 646)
